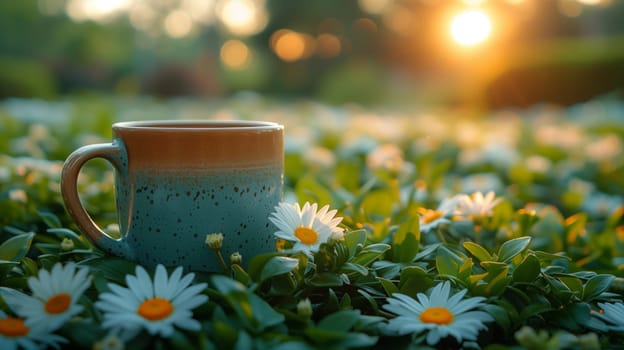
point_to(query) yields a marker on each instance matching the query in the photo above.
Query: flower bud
(214, 240)
(304, 307)
(67, 244)
(236, 258)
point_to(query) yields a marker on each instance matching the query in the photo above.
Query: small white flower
(612, 314)
(481, 182)
(110, 342)
(387, 156)
(477, 205)
(156, 305)
(305, 226)
(601, 204)
(439, 314)
(214, 240)
(18, 195)
(54, 297)
(430, 219)
(15, 334)
(304, 307)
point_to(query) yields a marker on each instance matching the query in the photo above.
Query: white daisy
(439, 314)
(476, 205)
(430, 218)
(15, 334)
(612, 314)
(156, 305)
(305, 226)
(54, 297)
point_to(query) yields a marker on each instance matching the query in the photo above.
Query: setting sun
(471, 27)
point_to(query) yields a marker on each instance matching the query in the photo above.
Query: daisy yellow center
(155, 309)
(306, 235)
(431, 216)
(13, 327)
(437, 315)
(58, 303)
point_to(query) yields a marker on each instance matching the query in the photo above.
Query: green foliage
(542, 259)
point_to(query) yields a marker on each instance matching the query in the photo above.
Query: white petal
(144, 281)
(160, 281)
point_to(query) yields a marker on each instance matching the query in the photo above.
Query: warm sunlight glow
(589, 2)
(178, 24)
(292, 46)
(400, 19)
(142, 16)
(471, 27)
(235, 54)
(570, 9)
(242, 17)
(374, 7)
(96, 10)
(328, 45)
(201, 10)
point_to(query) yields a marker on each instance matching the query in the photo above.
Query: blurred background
(490, 53)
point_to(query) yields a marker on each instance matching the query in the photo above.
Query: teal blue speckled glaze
(167, 216)
(177, 181)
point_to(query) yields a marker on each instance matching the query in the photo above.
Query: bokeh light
(97, 10)
(328, 45)
(235, 54)
(242, 17)
(471, 27)
(291, 46)
(375, 7)
(178, 24)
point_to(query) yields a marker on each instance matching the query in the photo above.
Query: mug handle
(69, 190)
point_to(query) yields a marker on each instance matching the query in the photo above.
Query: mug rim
(199, 125)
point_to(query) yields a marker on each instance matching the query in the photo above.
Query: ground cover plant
(423, 229)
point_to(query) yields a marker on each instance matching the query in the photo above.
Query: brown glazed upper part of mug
(186, 144)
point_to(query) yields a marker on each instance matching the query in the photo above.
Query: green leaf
(16, 248)
(406, 241)
(573, 283)
(379, 202)
(264, 313)
(226, 285)
(447, 262)
(478, 251)
(414, 279)
(353, 239)
(257, 263)
(572, 316)
(528, 270)
(351, 267)
(496, 285)
(340, 321)
(494, 266)
(278, 265)
(535, 309)
(512, 248)
(370, 253)
(340, 340)
(596, 286)
(64, 233)
(50, 219)
(308, 189)
(326, 279)
(112, 268)
(501, 314)
(388, 286)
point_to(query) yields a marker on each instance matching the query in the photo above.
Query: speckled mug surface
(177, 181)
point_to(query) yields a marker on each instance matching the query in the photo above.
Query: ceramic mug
(177, 181)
